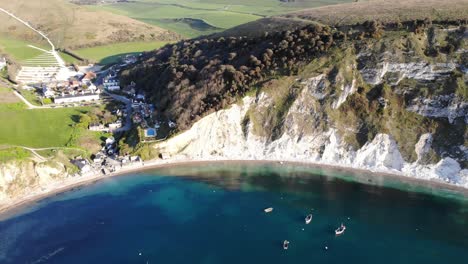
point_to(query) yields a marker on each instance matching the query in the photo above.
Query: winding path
(30, 106)
(39, 157)
(53, 51)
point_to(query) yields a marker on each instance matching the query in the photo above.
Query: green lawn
(18, 49)
(111, 53)
(38, 127)
(210, 15)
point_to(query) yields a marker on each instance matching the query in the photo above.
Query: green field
(21, 52)
(195, 18)
(111, 53)
(18, 49)
(38, 127)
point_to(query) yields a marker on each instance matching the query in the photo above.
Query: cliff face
(22, 178)
(386, 106)
(221, 136)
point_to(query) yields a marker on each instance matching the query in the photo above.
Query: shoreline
(360, 175)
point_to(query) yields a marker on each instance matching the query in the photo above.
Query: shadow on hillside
(116, 58)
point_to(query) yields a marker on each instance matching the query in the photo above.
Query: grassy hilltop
(202, 17)
(72, 26)
(385, 11)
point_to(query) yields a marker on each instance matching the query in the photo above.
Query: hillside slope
(72, 26)
(390, 96)
(385, 11)
(343, 15)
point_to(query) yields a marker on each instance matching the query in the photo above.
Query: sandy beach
(358, 175)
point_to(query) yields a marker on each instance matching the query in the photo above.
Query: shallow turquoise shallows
(214, 214)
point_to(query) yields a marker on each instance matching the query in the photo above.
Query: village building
(111, 85)
(47, 92)
(172, 124)
(82, 165)
(3, 63)
(97, 127)
(115, 125)
(74, 84)
(74, 98)
(88, 77)
(110, 141)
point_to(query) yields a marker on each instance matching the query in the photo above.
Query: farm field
(111, 53)
(195, 18)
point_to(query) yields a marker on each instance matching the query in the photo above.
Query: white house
(76, 98)
(97, 127)
(93, 88)
(110, 140)
(82, 164)
(47, 92)
(2, 63)
(111, 85)
(115, 125)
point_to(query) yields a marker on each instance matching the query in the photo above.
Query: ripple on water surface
(214, 214)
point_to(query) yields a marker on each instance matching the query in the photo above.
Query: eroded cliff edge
(386, 104)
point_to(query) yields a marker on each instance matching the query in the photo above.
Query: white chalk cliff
(219, 136)
(222, 135)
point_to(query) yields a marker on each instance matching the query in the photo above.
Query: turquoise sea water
(214, 214)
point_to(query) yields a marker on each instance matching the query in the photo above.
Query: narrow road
(128, 103)
(60, 61)
(30, 106)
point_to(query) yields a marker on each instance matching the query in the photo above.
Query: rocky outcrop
(395, 72)
(445, 106)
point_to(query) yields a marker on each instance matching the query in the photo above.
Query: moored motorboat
(308, 219)
(285, 244)
(268, 210)
(340, 230)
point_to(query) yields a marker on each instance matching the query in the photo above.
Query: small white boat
(285, 244)
(308, 219)
(340, 230)
(268, 210)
